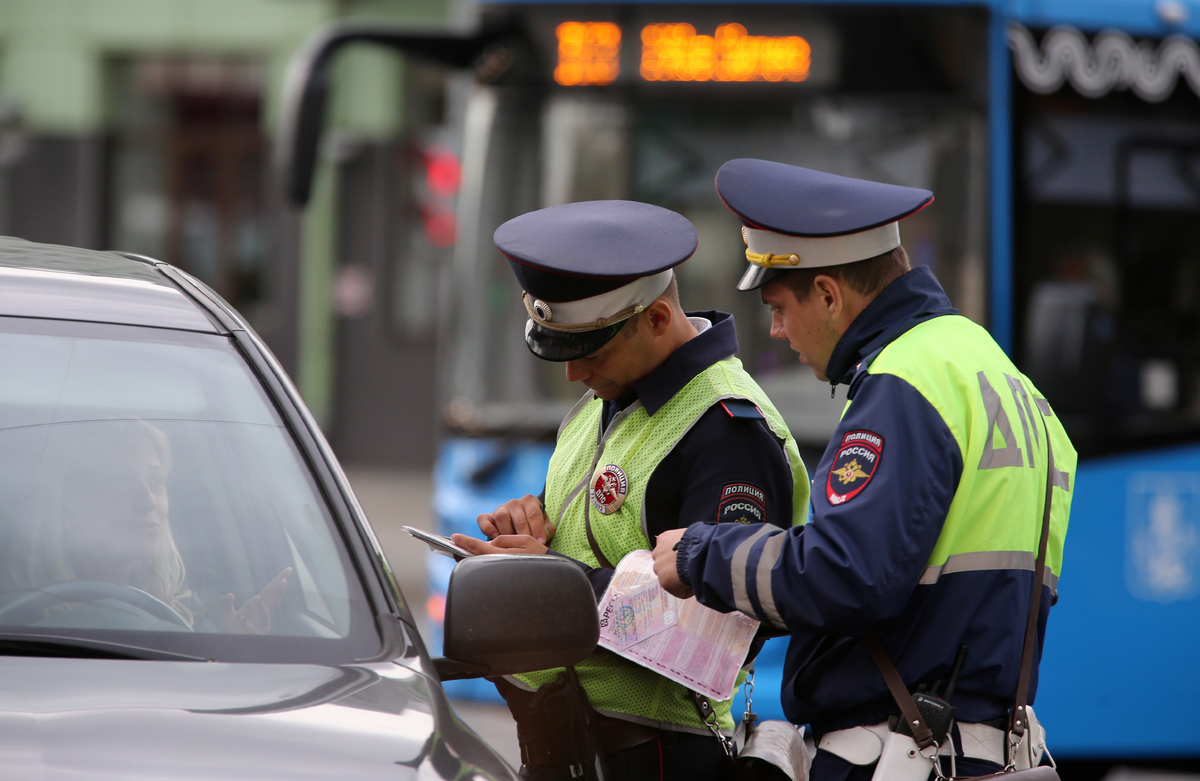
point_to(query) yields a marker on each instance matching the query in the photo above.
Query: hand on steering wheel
(255, 616)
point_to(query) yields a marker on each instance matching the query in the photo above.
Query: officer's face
(612, 370)
(808, 325)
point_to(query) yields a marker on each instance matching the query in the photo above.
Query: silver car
(189, 588)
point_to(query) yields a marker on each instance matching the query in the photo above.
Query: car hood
(98, 719)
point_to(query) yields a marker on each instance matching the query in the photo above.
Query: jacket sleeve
(862, 554)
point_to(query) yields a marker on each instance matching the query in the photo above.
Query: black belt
(615, 735)
(879, 711)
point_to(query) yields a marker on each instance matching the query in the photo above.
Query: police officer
(671, 430)
(927, 505)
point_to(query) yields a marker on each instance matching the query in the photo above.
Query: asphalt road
(393, 499)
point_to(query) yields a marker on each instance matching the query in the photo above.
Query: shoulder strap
(1018, 720)
(921, 733)
(591, 537)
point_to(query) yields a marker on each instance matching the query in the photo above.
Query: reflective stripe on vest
(637, 443)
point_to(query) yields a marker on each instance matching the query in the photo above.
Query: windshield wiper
(80, 648)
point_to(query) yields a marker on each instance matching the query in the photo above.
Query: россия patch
(854, 465)
(743, 503)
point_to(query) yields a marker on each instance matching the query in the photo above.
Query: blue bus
(1062, 141)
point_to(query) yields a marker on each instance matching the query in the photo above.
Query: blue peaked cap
(802, 202)
(564, 257)
(797, 218)
(579, 250)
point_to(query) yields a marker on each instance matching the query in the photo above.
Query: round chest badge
(609, 489)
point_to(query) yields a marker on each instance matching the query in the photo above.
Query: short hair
(865, 277)
(670, 294)
(672, 291)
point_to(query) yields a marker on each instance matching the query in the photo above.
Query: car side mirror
(515, 614)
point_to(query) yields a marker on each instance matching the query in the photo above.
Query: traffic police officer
(927, 504)
(671, 430)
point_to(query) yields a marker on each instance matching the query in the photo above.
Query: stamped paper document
(678, 638)
(635, 617)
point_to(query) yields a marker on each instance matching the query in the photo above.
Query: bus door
(1107, 316)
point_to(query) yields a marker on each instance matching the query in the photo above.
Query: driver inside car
(99, 515)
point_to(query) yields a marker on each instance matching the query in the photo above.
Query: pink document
(677, 638)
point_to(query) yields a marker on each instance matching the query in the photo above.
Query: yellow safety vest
(636, 443)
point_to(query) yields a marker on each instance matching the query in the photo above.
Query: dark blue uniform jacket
(857, 565)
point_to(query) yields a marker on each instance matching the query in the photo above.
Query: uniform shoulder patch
(742, 408)
(743, 503)
(854, 464)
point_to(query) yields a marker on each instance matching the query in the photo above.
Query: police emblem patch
(742, 503)
(609, 489)
(854, 465)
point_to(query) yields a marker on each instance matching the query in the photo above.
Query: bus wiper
(13, 644)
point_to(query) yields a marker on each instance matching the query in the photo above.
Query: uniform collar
(912, 298)
(713, 344)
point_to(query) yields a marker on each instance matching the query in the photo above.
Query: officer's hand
(505, 543)
(517, 516)
(664, 564)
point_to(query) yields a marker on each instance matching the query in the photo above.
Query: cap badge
(542, 310)
(609, 489)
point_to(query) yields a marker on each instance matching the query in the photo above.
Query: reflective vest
(637, 443)
(1000, 422)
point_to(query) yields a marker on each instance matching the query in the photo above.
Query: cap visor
(757, 276)
(559, 347)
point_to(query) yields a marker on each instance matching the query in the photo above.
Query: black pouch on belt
(557, 726)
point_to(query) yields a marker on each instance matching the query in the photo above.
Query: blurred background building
(146, 126)
(149, 126)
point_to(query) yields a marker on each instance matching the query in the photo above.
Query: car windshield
(150, 495)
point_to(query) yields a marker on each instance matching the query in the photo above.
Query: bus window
(1107, 264)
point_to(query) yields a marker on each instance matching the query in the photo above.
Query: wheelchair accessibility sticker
(1162, 536)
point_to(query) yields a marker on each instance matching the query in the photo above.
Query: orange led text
(588, 53)
(673, 52)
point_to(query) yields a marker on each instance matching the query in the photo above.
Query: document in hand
(677, 638)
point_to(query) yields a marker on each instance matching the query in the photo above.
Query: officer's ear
(659, 316)
(829, 295)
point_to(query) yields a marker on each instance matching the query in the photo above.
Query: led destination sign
(589, 54)
(674, 52)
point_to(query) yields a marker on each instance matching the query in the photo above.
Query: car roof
(68, 283)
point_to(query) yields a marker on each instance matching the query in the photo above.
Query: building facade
(147, 126)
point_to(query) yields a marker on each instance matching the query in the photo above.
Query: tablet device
(439, 544)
